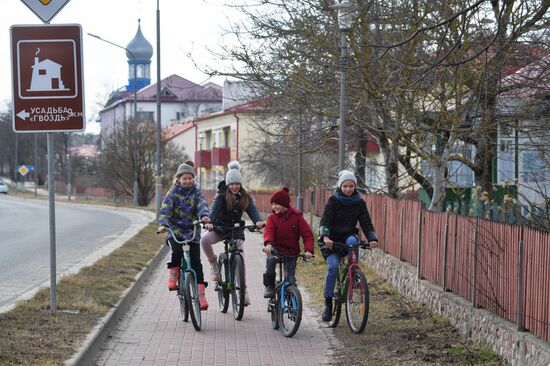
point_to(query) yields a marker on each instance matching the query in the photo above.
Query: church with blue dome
(180, 98)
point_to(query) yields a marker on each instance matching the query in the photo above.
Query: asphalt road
(84, 233)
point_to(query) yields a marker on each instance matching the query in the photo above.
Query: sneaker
(269, 292)
(202, 297)
(214, 271)
(246, 298)
(173, 274)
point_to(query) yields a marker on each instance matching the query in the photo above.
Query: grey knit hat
(346, 175)
(233, 174)
(186, 168)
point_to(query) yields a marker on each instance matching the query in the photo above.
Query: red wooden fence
(482, 258)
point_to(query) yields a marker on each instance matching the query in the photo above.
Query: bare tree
(129, 155)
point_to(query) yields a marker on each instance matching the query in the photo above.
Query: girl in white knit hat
(231, 201)
(339, 224)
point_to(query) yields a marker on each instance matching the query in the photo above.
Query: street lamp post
(345, 17)
(134, 76)
(158, 184)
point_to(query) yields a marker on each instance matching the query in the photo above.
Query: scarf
(347, 200)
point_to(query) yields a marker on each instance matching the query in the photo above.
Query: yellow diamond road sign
(45, 9)
(23, 170)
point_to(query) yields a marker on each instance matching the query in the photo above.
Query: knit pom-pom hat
(233, 174)
(281, 197)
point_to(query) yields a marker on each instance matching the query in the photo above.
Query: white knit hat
(346, 175)
(233, 174)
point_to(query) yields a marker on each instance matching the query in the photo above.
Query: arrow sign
(45, 9)
(23, 114)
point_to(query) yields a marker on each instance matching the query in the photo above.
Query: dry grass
(399, 331)
(31, 335)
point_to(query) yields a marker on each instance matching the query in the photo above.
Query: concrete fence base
(517, 348)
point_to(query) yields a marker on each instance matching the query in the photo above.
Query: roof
(139, 48)
(180, 89)
(176, 129)
(530, 80)
(173, 89)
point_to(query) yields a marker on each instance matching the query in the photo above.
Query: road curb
(91, 345)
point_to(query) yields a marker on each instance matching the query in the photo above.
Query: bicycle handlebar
(302, 256)
(250, 228)
(361, 244)
(196, 225)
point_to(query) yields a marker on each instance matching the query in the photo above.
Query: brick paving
(152, 332)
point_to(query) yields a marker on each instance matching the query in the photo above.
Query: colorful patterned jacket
(181, 206)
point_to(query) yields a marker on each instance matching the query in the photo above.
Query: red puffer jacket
(284, 230)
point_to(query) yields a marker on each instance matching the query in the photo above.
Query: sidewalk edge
(91, 345)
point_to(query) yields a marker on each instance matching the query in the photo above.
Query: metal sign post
(48, 91)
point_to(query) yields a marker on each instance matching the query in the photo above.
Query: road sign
(47, 78)
(22, 169)
(45, 9)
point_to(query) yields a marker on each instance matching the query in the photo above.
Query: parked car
(3, 188)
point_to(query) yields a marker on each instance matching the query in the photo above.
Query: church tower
(139, 52)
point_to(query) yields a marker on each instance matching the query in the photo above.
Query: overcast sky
(187, 26)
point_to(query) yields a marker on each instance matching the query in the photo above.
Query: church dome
(139, 47)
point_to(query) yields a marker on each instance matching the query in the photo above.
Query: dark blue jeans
(333, 265)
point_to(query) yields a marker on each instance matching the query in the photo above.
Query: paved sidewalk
(152, 332)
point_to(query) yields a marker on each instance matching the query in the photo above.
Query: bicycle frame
(348, 263)
(188, 296)
(230, 248)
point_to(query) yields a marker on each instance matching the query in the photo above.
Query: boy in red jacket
(283, 229)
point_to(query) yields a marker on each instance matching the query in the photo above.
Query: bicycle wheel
(184, 309)
(290, 311)
(357, 301)
(274, 310)
(223, 293)
(239, 287)
(192, 296)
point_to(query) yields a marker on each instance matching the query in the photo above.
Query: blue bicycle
(286, 307)
(188, 290)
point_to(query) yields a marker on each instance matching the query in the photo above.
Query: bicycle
(187, 288)
(232, 272)
(352, 289)
(286, 306)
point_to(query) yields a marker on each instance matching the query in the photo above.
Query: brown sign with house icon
(47, 78)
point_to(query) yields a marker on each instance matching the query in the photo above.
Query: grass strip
(31, 335)
(399, 331)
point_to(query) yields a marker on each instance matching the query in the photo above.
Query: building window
(208, 139)
(534, 168)
(145, 116)
(226, 137)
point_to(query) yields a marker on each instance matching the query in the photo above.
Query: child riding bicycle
(231, 201)
(338, 224)
(184, 203)
(283, 229)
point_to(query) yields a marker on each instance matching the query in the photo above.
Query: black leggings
(194, 253)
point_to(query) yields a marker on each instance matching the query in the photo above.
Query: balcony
(221, 156)
(203, 159)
